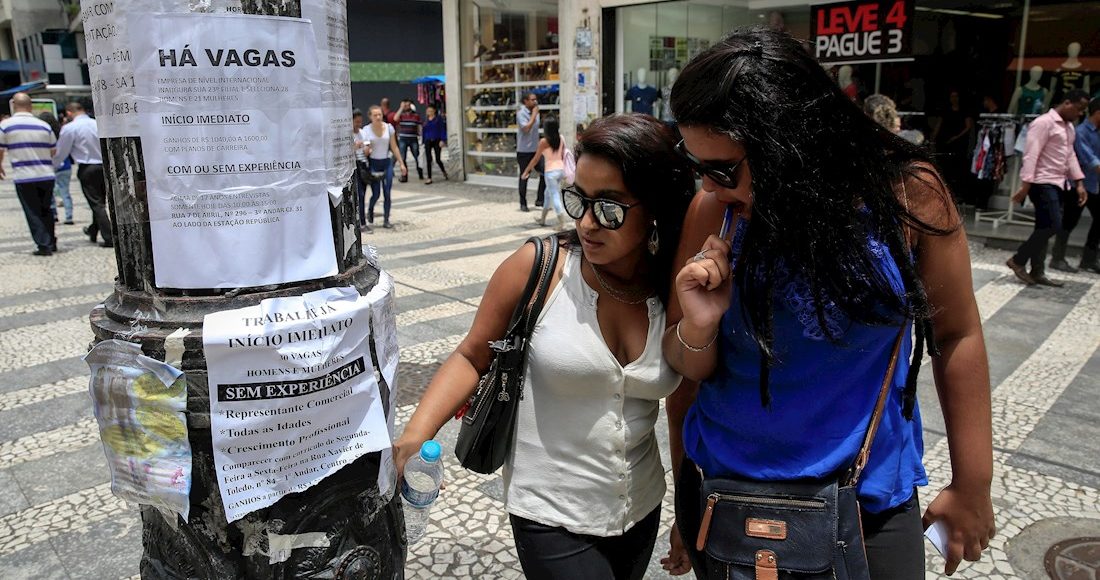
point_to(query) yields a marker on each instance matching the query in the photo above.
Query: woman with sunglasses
(849, 241)
(584, 481)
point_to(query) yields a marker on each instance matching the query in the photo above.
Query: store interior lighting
(953, 12)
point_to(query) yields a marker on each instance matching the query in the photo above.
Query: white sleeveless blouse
(585, 456)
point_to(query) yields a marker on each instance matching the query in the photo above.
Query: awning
(429, 79)
(36, 85)
(9, 66)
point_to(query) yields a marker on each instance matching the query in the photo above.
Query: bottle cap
(430, 451)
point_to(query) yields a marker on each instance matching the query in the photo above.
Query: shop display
(1030, 98)
(493, 92)
(1072, 74)
(641, 96)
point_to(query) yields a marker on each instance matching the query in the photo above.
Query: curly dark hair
(644, 149)
(825, 177)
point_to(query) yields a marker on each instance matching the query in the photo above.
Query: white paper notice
(292, 394)
(234, 149)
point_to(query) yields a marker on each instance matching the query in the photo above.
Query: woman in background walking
(552, 149)
(382, 154)
(435, 138)
(62, 176)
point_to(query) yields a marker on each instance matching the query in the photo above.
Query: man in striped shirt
(30, 143)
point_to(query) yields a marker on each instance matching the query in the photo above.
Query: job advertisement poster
(293, 396)
(234, 148)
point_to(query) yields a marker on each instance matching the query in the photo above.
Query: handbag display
(804, 530)
(488, 426)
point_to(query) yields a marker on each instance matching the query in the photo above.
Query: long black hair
(825, 177)
(551, 130)
(644, 149)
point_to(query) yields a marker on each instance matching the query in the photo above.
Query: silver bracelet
(694, 348)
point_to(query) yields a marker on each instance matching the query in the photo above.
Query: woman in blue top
(849, 233)
(435, 139)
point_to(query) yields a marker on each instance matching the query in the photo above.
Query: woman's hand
(968, 515)
(703, 285)
(677, 562)
(403, 450)
(525, 175)
(404, 170)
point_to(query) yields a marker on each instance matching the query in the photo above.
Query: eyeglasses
(609, 214)
(724, 175)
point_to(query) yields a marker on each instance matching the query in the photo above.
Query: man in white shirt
(80, 139)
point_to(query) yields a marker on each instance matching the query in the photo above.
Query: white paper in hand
(937, 534)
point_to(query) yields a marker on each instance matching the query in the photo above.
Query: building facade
(390, 45)
(587, 58)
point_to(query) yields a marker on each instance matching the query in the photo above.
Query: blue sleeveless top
(822, 395)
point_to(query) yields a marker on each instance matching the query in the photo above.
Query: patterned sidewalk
(58, 518)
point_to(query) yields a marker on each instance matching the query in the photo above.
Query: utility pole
(225, 132)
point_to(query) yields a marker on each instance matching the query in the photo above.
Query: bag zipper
(714, 498)
(768, 501)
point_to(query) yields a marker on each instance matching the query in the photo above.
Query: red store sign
(863, 31)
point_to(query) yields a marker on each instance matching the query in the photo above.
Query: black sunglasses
(608, 213)
(724, 175)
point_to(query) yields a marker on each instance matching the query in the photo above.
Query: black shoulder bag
(488, 427)
(794, 530)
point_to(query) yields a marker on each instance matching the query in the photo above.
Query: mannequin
(641, 96)
(844, 79)
(1030, 98)
(1070, 75)
(666, 94)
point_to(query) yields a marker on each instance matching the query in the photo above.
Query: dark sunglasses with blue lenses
(724, 175)
(609, 214)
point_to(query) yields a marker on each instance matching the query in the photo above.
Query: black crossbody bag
(488, 426)
(790, 530)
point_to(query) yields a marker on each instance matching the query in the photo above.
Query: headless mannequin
(666, 94)
(641, 96)
(844, 79)
(1036, 97)
(1071, 73)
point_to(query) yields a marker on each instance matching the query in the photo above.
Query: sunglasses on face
(724, 175)
(608, 213)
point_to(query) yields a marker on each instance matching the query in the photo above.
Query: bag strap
(528, 290)
(864, 455)
(546, 266)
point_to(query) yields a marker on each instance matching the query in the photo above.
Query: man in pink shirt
(1050, 166)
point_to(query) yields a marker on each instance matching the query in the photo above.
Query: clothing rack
(1008, 215)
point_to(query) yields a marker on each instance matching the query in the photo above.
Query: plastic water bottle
(423, 476)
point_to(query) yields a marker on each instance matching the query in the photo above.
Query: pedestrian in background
(408, 135)
(362, 168)
(1049, 165)
(435, 138)
(846, 240)
(551, 153)
(528, 122)
(382, 154)
(583, 483)
(30, 143)
(62, 176)
(1087, 147)
(80, 140)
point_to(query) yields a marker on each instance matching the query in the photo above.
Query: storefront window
(506, 53)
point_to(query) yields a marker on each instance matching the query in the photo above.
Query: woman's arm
(543, 145)
(700, 292)
(397, 152)
(455, 381)
(962, 379)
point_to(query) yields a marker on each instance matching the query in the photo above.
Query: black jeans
(1048, 222)
(434, 147)
(95, 191)
(524, 159)
(894, 539)
(406, 143)
(551, 553)
(1072, 215)
(35, 197)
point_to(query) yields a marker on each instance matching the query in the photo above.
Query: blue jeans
(553, 192)
(61, 189)
(381, 188)
(1048, 222)
(406, 143)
